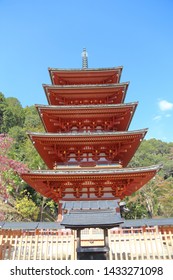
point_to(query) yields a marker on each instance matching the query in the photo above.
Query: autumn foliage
(8, 166)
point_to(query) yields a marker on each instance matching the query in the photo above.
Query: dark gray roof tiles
(91, 106)
(91, 218)
(98, 171)
(88, 133)
(93, 204)
(56, 225)
(85, 70)
(30, 225)
(49, 225)
(148, 222)
(100, 213)
(20, 225)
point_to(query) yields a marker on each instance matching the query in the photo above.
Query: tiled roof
(56, 225)
(148, 222)
(88, 133)
(91, 106)
(85, 70)
(98, 213)
(93, 204)
(29, 225)
(91, 218)
(102, 170)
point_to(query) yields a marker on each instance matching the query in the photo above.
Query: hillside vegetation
(23, 203)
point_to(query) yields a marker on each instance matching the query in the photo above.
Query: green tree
(32, 120)
(12, 114)
(150, 152)
(27, 208)
(137, 210)
(2, 109)
(34, 161)
(19, 136)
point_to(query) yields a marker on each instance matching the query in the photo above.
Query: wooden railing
(37, 245)
(125, 244)
(141, 245)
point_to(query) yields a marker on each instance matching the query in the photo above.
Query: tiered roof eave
(84, 184)
(81, 134)
(116, 116)
(58, 147)
(116, 92)
(61, 76)
(107, 169)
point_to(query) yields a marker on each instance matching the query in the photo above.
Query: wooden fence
(38, 245)
(141, 245)
(125, 244)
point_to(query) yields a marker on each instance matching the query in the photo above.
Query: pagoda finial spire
(84, 58)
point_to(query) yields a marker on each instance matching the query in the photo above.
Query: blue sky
(135, 34)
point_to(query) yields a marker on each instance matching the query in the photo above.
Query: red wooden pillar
(59, 212)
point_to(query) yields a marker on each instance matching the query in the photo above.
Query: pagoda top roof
(85, 75)
(100, 69)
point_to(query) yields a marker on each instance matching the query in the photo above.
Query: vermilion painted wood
(112, 117)
(89, 183)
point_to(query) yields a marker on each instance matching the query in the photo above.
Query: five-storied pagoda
(86, 144)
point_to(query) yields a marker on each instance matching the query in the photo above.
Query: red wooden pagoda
(86, 144)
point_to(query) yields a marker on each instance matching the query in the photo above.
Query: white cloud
(165, 105)
(168, 115)
(157, 118)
